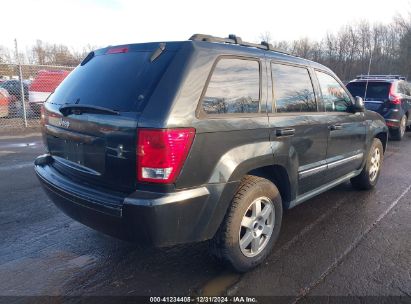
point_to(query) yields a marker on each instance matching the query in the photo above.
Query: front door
(346, 130)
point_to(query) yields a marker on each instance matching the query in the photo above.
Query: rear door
(297, 127)
(90, 121)
(346, 130)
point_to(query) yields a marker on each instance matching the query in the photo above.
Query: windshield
(375, 90)
(121, 82)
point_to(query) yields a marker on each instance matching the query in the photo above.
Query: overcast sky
(77, 23)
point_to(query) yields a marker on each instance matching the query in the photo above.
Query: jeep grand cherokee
(205, 139)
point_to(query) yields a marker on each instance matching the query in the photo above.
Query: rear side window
(122, 82)
(293, 89)
(403, 88)
(334, 96)
(408, 89)
(375, 90)
(234, 87)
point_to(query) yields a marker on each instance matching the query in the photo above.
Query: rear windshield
(121, 82)
(377, 90)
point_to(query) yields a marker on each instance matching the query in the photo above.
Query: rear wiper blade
(84, 108)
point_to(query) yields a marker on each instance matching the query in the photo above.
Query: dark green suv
(206, 139)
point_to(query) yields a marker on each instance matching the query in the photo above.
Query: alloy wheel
(403, 125)
(257, 226)
(375, 164)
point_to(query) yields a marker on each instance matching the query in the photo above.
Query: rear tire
(398, 134)
(35, 110)
(369, 175)
(251, 226)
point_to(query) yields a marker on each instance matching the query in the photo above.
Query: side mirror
(359, 105)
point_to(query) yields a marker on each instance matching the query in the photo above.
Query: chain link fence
(23, 90)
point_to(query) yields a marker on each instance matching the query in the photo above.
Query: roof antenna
(369, 69)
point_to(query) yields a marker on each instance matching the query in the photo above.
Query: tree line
(348, 52)
(44, 53)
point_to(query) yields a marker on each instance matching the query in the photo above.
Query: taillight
(161, 153)
(394, 97)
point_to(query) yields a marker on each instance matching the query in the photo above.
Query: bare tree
(349, 51)
(39, 53)
(5, 55)
(266, 36)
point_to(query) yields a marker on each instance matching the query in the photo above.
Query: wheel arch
(383, 137)
(278, 175)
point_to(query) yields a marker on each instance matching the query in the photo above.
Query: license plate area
(373, 106)
(87, 155)
(73, 151)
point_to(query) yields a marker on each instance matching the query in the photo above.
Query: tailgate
(90, 121)
(374, 105)
(96, 149)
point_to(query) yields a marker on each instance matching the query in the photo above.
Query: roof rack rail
(233, 39)
(399, 77)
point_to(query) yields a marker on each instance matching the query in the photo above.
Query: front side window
(293, 90)
(334, 96)
(234, 87)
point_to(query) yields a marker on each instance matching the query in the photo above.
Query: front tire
(251, 226)
(370, 173)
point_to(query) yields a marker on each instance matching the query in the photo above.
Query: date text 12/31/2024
(203, 299)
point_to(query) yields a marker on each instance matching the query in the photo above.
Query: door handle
(335, 127)
(285, 132)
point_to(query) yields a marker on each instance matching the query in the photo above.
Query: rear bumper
(393, 118)
(36, 107)
(160, 219)
(392, 123)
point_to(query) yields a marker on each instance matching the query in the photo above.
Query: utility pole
(21, 83)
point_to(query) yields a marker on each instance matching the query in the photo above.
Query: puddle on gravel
(7, 152)
(219, 285)
(82, 261)
(19, 145)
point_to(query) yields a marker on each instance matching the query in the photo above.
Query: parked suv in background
(388, 95)
(13, 87)
(206, 139)
(42, 86)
